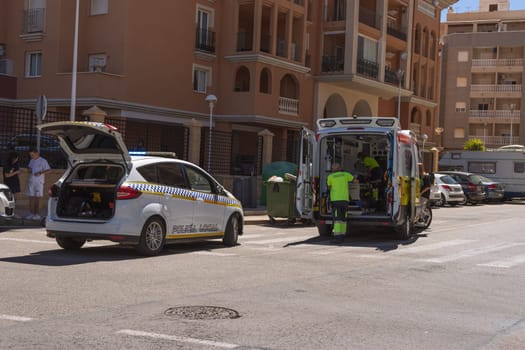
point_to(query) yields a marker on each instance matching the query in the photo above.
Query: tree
(474, 145)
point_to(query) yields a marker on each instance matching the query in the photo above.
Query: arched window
(265, 83)
(425, 38)
(417, 39)
(289, 87)
(433, 45)
(242, 79)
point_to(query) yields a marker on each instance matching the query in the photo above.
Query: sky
(473, 5)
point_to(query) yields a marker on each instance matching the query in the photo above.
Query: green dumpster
(280, 200)
(278, 168)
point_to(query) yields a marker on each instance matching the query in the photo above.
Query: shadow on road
(111, 252)
(364, 237)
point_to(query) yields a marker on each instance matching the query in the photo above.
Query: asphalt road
(458, 285)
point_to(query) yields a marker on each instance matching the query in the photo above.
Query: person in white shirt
(38, 166)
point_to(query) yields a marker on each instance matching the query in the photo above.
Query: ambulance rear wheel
(324, 230)
(404, 231)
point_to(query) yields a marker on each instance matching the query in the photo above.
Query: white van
(396, 203)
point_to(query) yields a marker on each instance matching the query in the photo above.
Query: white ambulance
(393, 202)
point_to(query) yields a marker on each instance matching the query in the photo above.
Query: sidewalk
(252, 216)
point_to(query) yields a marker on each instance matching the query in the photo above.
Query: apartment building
(273, 65)
(483, 74)
(381, 57)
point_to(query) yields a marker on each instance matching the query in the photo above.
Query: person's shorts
(35, 189)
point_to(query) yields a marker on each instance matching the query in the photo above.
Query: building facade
(483, 74)
(273, 65)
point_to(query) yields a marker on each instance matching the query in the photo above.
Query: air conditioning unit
(98, 63)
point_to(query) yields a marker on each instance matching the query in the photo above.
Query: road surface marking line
(433, 246)
(472, 252)
(279, 240)
(26, 240)
(15, 318)
(177, 339)
(506, 263)
(213, 253)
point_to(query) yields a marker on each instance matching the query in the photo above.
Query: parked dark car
(472, 186)
(495, 190)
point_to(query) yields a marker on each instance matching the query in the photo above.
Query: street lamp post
(512, 106)
(74, 69)
(211, 99)
(400, 73)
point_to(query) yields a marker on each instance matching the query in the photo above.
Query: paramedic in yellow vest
(374, 171)
(339, 198)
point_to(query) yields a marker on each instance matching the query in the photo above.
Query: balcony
(494, 64)
(244, 41)
(496, 141)
(394, 30)
(494, 116)
(368, 17)
(495, 90)
(7, 67)
(205, 40)
(288, 106)
(34, 24)
(333, 64)
(391, 77)
(367, 68)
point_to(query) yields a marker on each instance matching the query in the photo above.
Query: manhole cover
(202, 312)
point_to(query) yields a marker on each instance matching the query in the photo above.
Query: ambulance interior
(368, 196)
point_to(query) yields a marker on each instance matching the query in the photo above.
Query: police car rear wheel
(69, 243)
(232, 231)
(152, 238)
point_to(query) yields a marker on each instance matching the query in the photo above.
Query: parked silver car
(450, 191)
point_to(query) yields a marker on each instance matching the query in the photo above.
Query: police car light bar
(153, 154)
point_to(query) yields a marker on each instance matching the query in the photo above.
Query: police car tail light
(126, 192)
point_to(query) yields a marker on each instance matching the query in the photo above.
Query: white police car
(142, 200)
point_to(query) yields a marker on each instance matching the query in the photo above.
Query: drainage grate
(202, 312)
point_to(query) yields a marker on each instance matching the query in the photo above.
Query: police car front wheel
(232, 231)
(153, 237)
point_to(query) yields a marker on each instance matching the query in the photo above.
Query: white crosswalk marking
(472, 252)
(506, 263)
(433, 246)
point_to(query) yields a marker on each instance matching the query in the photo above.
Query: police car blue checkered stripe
(181, 192)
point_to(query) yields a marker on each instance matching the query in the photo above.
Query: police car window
(197, 180)
(149, 173)
(170, 174)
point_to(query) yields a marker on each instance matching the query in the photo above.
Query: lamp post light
(211, 99)
(512, 106)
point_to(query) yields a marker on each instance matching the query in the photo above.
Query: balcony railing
(502, 114)
(34, 20)
(7, 67)
(497, 140)
(367, 68)
(393, 29)
(205, 40)
(266, 42)
(368, 17)
(281, 48)
(244, 41)
(494, 62)
(391, 77)
(288, 106)
(333, 64)
(495, 88)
